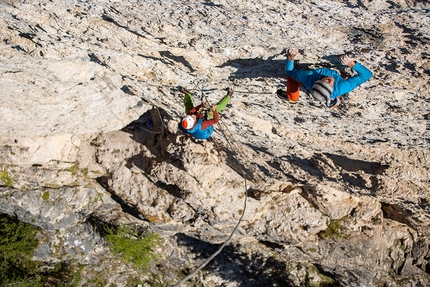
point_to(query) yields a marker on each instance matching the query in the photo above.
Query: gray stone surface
(340, 194)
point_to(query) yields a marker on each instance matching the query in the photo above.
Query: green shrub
(17, 244)
(336, 229)
(85, 171)
(6, 179)
(133, 247)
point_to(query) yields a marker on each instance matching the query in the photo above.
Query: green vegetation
(133, 247)
(336, 229)
(6, 179)
(73, 169)
(45, 196)
(98, 197)
(85, 171)
(314, 278)
(17, 244)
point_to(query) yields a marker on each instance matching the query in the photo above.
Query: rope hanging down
(192, 274)
(209, 259)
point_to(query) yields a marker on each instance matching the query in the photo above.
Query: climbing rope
(199, 89)
(233, 146)
(218, 251)
(229, 135)
(209, 259)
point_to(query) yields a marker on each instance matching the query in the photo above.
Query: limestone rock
(90, 111)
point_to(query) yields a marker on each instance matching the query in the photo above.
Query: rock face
(89, 135)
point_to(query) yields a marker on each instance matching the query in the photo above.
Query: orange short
(293, 89)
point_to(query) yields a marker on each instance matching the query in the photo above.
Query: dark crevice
(127, 208)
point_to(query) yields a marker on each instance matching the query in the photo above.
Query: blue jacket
(198, 133)
(341, 86)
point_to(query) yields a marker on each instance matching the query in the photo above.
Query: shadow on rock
(256, 68)
(126, 207)
(232, 264)
(356, 167)
(351, 171)
(271, 67)
(149, 130)
(145, 129)
(308, 165)
(232, 159)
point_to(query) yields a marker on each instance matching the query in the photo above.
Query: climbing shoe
(183, 90)
(229, 92)
(283, 95)
(334, 103)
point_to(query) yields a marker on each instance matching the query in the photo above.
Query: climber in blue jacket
(325, 84)
(199, 122)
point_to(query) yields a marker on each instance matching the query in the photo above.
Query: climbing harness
(204, 110)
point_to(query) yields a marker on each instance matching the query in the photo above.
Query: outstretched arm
(343, 86)
(363, 74)
(289, 62)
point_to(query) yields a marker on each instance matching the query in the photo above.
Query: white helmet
(187, 122)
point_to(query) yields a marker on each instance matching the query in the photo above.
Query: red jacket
(206, 123)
